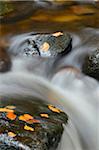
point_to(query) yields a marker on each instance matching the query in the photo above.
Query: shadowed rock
(5, 62)
(91, 65)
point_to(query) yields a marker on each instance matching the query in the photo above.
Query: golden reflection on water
(70, 17)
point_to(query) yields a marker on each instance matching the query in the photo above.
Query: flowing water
(75, 93)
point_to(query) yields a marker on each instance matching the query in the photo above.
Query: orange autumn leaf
(28, 128)
(57, 34)
(11, 134)
(22, 118)
(54, 109)
(6, 110)
(28, 117)
(25, 117)
(45, 46)
(11, 116)
(44, 115)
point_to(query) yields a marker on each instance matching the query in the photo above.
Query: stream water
(66, 87)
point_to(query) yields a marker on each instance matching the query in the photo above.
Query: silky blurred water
(65, 86)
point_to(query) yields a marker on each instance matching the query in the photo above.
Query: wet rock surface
(27, 125)
(46, 45)
(91, 65)
(5, 62)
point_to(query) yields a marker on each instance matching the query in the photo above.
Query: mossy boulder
(30, 124)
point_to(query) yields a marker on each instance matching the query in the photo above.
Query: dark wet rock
(91, 65)
(46, 45)
(5, 62)
(57, 44)
(47, 129)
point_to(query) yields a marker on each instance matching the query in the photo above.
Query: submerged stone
(91, 65)
(37, 125)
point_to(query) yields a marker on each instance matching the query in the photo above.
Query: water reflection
(48, 16)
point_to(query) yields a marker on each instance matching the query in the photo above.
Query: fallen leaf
(28, 118)
(11, 134)
(25, 117)
(10, 107)
(57, 34)
(6, 110)
(44, 115)
(28, 128)
(45, 46)
(22, 118)
(54, 109)
(11, 115)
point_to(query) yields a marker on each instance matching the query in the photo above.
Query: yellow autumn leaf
(10, 107)
(54, 109)
(6, 110)
(11, 134)
(28, 128)
(44, 115)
